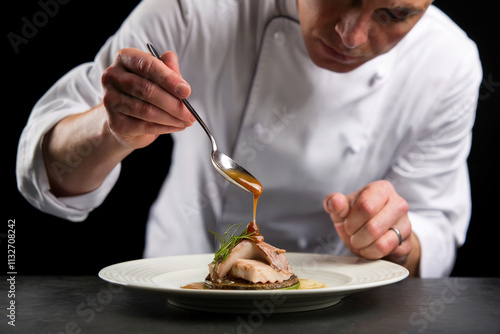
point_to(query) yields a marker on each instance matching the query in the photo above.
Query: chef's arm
(79, 152)
(141, 101)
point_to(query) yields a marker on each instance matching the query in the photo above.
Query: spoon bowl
(234, 173)
(229, 169)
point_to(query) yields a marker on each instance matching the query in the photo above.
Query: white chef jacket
(301, 130)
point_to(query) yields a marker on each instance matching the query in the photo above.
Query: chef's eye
(386, 16)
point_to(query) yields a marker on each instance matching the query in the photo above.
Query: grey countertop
(87, 304)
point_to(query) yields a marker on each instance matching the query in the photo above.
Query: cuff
(436, 242)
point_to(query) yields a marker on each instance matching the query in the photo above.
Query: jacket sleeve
(432, 173)
(160, 22)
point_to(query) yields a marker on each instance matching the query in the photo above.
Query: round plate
(343, 275)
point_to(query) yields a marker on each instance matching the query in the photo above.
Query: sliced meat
(275, 257)
(250, 250)
(245, 249)
(257, 271)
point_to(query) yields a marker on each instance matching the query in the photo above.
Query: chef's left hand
(363, 220)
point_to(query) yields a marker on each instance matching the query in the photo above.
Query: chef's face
(341, 35)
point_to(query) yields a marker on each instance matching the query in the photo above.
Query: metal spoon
(227, 167)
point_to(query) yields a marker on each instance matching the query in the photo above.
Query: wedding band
(398, 234)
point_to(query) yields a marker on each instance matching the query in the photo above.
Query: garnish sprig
(228, 241)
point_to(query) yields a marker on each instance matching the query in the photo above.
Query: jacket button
(355, 148)
(279, 37)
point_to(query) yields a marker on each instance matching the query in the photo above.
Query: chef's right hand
(142, 97)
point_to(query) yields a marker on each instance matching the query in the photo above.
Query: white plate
(166, 275)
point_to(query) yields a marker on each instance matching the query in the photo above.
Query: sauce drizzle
(255, 187)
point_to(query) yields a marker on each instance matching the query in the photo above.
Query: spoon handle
(188, 105)
(198, 118)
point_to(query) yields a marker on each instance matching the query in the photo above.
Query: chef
(355, 116)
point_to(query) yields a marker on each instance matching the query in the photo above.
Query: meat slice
(245, 249)
(256, 271)
(275, 257)
(251, 250)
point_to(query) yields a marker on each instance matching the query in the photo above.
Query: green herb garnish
(228, 241)
(293, 287)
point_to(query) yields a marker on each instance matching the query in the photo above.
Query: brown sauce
(194, 286)
(253, 228)
(305, 284)
(255, 187)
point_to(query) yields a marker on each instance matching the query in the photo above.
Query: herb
(228, 241)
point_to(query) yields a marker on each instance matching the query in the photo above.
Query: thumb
(170, 59)
(337, 205)
(183, 90)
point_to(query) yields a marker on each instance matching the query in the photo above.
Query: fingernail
(182, 90)
(329, 204)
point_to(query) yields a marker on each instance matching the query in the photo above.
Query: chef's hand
(363, 220)
(142, 97)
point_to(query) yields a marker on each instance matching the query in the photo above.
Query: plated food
(324, 280)
(246, 270)
(246, 262)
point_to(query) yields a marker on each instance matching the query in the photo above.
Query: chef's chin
(329, 59)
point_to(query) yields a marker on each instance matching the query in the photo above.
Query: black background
(114, 232)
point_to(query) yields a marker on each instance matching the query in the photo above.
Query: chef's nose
(353, 29)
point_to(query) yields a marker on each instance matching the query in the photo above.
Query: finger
(400, 254)
(131, 83)
(365, 204)
(147, 66)
(338, 207)
(151, 101)
(170, 59)
(395, 209)
(387, 244)
(129, 127)
(406, 234)
(132, 117)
